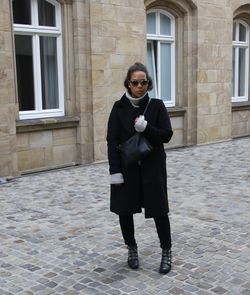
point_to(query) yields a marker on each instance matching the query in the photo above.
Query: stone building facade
(88, 45)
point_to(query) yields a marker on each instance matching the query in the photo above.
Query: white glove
(140, 124)
(116, 178)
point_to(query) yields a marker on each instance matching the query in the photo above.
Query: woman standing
(143, 184)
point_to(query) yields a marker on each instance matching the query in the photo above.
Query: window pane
(233, 74)
(24, 68)
(242, 36)
(234, 31)
(49, 73)
(151, 25)
(46, 13)
(165, 71)
(242, 71)
(165, 25)
(151, 67)
(21, 12)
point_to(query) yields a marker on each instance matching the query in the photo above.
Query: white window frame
(36, 31)
(237, 45)
(170, 39)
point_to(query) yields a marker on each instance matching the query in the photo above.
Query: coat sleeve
(113, 134)
(163, 131)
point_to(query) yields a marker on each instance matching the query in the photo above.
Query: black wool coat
(145, 184)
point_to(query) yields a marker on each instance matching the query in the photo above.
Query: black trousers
(162, 226)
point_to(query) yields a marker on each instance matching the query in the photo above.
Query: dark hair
(135, 68)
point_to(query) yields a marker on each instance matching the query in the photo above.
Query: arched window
(161, 54)
(39, 62)
(240, 60)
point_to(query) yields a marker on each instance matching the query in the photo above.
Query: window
(161, 54)
(240, 61)
(39, 68)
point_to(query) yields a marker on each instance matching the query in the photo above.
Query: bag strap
(146, 106)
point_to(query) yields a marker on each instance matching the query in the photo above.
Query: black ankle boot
(133, 261)
(165, 266)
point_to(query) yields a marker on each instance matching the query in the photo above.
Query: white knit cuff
(116, 178)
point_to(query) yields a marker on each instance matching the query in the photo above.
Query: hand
(140, 124)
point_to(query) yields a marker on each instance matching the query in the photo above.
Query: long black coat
(145, 185)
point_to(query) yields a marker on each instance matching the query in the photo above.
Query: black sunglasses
(137, 82)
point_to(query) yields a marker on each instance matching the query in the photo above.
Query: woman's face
(138, 84)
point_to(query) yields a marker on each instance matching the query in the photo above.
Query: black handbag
(135, 148)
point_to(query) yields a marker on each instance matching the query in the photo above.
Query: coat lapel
(127, 115)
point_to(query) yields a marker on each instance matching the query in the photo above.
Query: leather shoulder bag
(135, 148)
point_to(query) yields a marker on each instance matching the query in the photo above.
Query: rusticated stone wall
(101, 39)
(241, 123)
(117, 41)
(214, 81)
(8, 159)
(40, 150)
(81, 19)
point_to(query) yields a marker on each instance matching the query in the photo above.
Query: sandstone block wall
(101, 39)
(83, 78)
(46, 149)
(117, 41)
(241, 123)
(214, 81)
(8, 160)
(178, 127)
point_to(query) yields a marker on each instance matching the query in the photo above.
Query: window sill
(176, 111)
(241, 106)
(46, 124)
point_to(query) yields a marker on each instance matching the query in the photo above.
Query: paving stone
(114, 292)
(71, 292)
(38, 288)
(204, 285)
(219, 290)
(201, 292)
(79, 287)
(128, 289)
(58, 236)
(50, 275)
(51, 284)
(15, 289)
(60, 289)
(175, 291)
(6, 293)
(190, 288)
(104, 288)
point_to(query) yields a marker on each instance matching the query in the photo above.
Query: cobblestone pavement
(57, 235)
